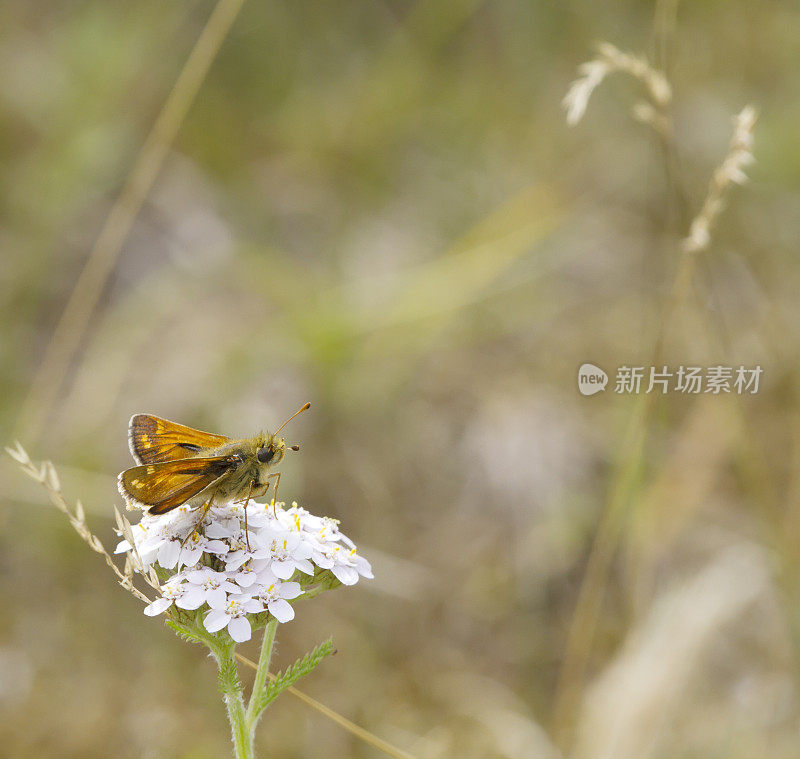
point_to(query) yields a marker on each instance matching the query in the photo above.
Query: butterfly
(179, 465)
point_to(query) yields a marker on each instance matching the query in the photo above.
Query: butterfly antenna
(302, 409)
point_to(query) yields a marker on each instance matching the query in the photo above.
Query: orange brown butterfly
(179, 465)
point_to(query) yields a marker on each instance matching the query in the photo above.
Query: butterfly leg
(206, 507)
(246, 502)
(277, 476)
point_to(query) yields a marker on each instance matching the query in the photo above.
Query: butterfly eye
(265, 455)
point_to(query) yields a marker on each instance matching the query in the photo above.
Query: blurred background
(378, 207)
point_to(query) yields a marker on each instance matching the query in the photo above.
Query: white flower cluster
(237, 572)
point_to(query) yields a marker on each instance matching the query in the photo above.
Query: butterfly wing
(163, 486)
(153, 440)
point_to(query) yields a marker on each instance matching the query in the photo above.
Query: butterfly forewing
(154, 440)
(161, 487)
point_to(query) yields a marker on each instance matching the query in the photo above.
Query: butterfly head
(273, 452)
(274, 448)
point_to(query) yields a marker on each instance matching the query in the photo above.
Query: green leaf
(228, 675)
(187, 632)
(300, 668)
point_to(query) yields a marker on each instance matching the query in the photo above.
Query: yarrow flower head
(240, 564)
(220, 574)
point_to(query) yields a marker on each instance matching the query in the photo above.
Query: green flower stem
(243, 720)
(233, 695)
(253, 712)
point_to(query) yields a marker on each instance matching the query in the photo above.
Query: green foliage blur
(378, 207)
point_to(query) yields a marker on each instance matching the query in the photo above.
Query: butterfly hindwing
(153, 440)
(163, 486)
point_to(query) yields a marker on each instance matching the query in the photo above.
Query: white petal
(215, 546)
(281, 610)
(190, 557)
(304, 565)
(323, 561)
(218, 530)
(266, 577)
(345, 575)
(256, 519)
(217, 598)
(302, 551)
(215, 620)
(251, 536)
(364, 568)
(235, 560)
(168, 555)
(199, 576)
(240, 630)
(253, 606)
(290, 590)
(148, 557)
(152, 543)
(157, 607)
(283, 570)
(246, 579)
(123, 546)
(192, 598)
